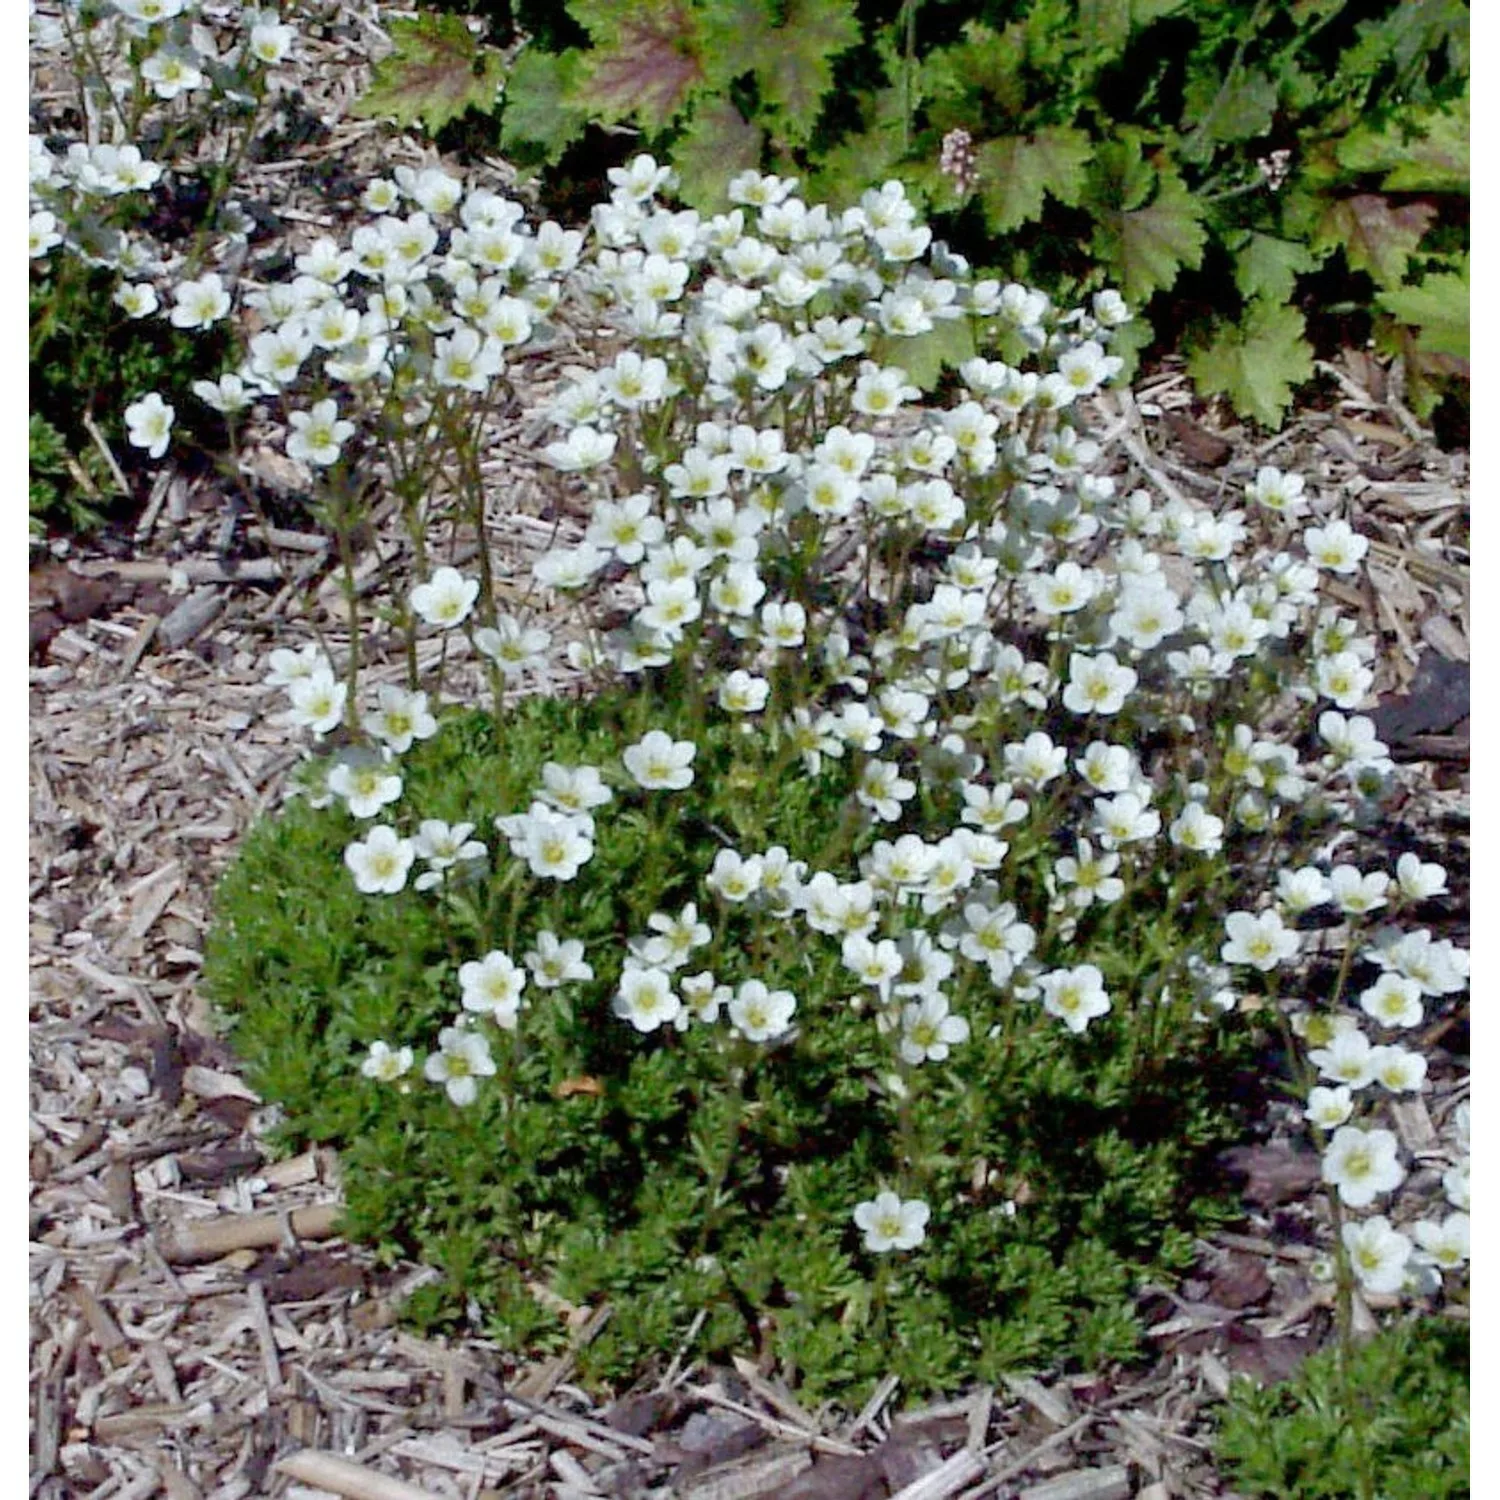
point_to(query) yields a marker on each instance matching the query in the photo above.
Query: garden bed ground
(197, 1327)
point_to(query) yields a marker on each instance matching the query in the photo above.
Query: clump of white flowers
(956, 614)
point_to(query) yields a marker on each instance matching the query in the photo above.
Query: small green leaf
(436, 71)
(1257, 363)
(1017, 172)
(1265, 266)
(1438, 309)
(986, 62)
(538, 108)
(718, 143)
(1375, 234)
(1146, 247)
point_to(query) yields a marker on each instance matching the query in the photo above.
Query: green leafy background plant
(1119, 142)
(1294, 1441)
(608, 1195)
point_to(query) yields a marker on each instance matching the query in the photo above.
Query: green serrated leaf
(923, 357)
(436, 71)
(1215, 111)
(1265, 266)
(1438, 309)
(1146, 247)
(717, 143)
(1017, 172)
(1144, 12)
(1257, 363)
(646, 63)
(1430, 155)
(798, 75)
(987, 63)
(1375, 234)
(538, 108)
(1106, 23)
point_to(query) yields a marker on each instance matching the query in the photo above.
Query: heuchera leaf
(1016, 172)
(718, 142)
(1438, 309)
(1147, 246)
(1257, 363)
(1215, 112)
(645, 63)
(923, 356)
(1375, 234)
(1434, 160)
(813, 34)
(436, 71)
(539, 111)
(1265, 266)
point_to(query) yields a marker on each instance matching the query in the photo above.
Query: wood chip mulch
(200, 1332)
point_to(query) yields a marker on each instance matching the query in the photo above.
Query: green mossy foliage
(1300, 1441)
(589, 1164)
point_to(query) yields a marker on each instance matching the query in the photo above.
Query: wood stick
(208, 1239)
(344, 1477)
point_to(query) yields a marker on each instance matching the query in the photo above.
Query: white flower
(1336, 546)
(1355, 894)
(1301, 890)
(742, 693)
(492, 987)
(464, 1056)
(513, 646)
(1393, 1000)
(553, 961)
(1262, 941)
(1197, 829)
(1125, 819)
(555, 845)
(646, 1000)
(270, 44)
(149, 424)
(1362, 1164)
(1279, 492)
(365, 783)
(928, 1030)
(1378, 1253)
(1444, 1245)
(139, 301)
(1456, 1184)
(1343, 678)
(889, 1223)
(317, 700)
(385, 1065)
(380, 862)
(734, 877)
(401, 718)
(659, 762)
(318, 435)
(1348, 1058)
(443, 845)
(1329, 1108)
(1419, 881)
(446, 598)
(200, 303)
(1076, 995)
(583, 448)
(1397, 1069)
(760, 1014)
(288, 666)
(227, 394)
(171, 72)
